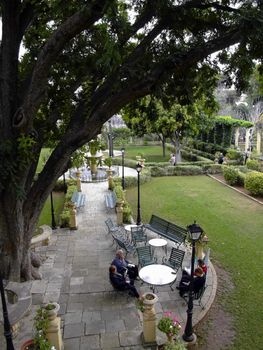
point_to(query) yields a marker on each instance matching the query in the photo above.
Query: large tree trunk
(17, 228)
(178, 156)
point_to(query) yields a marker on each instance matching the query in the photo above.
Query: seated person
(200, 263)
(124, 266)
(198, 283)
(121, 283)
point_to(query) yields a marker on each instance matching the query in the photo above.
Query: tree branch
(71, 27)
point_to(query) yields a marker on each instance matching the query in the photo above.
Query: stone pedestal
(110, 179)
(54, 333)
(78, 173)
(73, 218)
(119, 210)
(149, 319)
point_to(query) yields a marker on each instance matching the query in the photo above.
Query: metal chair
(124, 244)
(175, 260)
(138, 235)
(111, 227)
(145, 256)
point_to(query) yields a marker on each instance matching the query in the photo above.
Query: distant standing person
(221, 158)
(173, 159)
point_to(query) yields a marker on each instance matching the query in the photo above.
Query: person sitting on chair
(121, 283)
(198, 283)
(200, 263)
(124, 266)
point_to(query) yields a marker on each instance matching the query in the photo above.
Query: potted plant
(52, 309)
(41, 324)
(169, 325)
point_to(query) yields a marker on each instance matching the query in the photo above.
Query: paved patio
(75, 274)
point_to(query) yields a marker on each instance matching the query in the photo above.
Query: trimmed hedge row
(254, 183)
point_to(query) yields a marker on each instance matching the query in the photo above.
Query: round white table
(158, 242)
(157, 275)
(129, 227)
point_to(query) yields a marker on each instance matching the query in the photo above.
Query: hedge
(254, 183)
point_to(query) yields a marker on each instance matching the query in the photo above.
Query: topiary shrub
(253, 164)
(230, 175)
(254, 183)
(233, 154)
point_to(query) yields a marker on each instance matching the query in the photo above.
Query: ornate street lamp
(122, 163)
(139, 220)
(7, 328)
(195, 232)
(53, 221)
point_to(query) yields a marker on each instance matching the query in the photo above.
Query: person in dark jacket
(124, 266)
(120, 282)
(198, 283)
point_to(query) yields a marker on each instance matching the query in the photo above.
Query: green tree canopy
(84, 61)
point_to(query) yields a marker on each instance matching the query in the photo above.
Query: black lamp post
(110, 137)
(139, 220)
(53, 221)
(122, 163)
(7, 328)
(195, 232)
(64, 184)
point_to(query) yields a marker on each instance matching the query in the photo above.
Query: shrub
(230, 175)
(212, 168)
(59, 186)
(127, 213)
(253, 164)
(233, 154)
(64, 218)
(254, 183)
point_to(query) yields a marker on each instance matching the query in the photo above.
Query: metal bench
(173, 232)
(78, 199)
(110, 200)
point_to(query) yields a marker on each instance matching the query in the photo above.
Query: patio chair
(124, 244)
(138, 235)
(111, 227)
(197, 297)
(145, 256)
(175, 260)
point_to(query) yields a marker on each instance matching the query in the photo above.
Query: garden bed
(241, 189)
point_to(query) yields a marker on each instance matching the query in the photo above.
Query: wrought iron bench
(110, 200)
(171, 231)
(78, 199)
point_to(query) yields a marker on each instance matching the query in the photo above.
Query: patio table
(157, 275)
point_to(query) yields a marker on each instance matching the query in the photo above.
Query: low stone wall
(43, 238)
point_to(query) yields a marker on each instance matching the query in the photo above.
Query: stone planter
(149, 318)
(52, 310)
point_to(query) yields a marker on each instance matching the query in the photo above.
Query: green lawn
(58, 202)
(150, 153)
(233, 224)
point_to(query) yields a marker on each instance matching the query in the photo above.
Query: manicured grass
(150, 153)
(58, 202)
(233, 224)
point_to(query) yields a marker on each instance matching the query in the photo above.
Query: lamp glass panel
(138, 168)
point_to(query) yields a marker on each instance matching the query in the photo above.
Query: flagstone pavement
(75, 274)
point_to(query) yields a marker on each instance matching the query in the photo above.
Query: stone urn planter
(52, 310)
(149, 318)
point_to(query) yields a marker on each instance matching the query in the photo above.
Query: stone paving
(75, 274)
